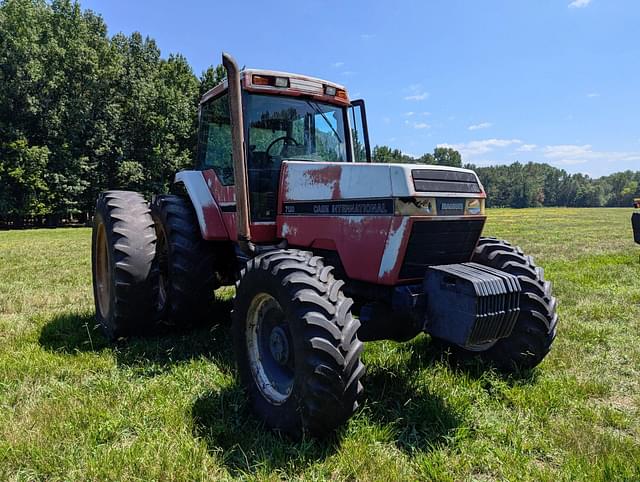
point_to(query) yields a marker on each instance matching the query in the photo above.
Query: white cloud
(526, 148)
(337, 64)
(591, 95)
(567, 150)
(367, 36)
(482, 125)
(420, 96)
(411, 113)
(476, 148)
(570, 154)
(579, 3)
(348, 73)
(416, 93)
(417, 125)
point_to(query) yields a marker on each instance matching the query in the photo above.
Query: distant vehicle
(635, 221)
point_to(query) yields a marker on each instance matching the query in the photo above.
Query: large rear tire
(296, 343)
(535, 329)
(186, 262)
(125, 274)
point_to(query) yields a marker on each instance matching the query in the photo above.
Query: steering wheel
(281, 138)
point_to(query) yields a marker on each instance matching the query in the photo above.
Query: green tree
(386, 154)
(210, 78)
(24, 190)
(446, 156)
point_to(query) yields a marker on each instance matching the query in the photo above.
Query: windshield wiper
(317, 109)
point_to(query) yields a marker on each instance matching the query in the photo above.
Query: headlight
(475, 207)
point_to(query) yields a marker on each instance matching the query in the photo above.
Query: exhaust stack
(239, 163)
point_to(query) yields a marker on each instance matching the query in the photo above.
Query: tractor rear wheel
(125, 274)
(186, 262)
(296, 343)
(535, 329)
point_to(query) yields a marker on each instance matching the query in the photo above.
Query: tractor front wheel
(296, 343)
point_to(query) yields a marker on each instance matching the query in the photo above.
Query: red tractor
(326, 250)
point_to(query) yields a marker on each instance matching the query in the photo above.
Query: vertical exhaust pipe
(238, 154)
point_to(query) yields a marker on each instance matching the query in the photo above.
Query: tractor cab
(284, 117)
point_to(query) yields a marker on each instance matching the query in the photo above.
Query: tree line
(532, 184)
(81, 112)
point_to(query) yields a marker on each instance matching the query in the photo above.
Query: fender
(212, 227)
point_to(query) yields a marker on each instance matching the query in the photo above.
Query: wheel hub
(269, 348)
(279, 346)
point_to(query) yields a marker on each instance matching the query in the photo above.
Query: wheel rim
(162, 248)
(270, 348)
(103, 272)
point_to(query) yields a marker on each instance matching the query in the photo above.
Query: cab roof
(298, 85)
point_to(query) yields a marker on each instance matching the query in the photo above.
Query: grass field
(73, 407)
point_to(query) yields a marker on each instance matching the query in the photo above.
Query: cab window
(214, 139)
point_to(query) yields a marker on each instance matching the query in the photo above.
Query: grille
(434, 180)
(439, 242)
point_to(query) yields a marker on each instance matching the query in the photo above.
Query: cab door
(359, 131)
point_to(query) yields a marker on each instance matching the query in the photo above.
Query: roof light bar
(282, 82)
(329, 90)
(341, 94)
(270, 80)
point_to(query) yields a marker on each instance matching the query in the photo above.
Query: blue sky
(554, 81)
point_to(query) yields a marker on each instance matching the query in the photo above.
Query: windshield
(282, 128)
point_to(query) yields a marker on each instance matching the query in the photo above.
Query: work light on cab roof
(326, 249)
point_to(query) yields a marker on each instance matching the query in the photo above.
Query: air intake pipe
(238, 154)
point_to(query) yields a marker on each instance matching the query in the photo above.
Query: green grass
(74, 407)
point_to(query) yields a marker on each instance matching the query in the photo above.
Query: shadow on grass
(71, 333)
(424, 351)
(419, 419)
(395, 400)
(244, 445)
(416, 419)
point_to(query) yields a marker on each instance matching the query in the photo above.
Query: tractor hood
(312, 181)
